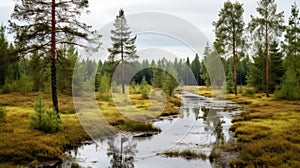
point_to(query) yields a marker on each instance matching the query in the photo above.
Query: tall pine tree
(123, 48)
(268, 25)
(229, 33)
(41, 24)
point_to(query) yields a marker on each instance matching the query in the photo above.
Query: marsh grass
(267, 130)
(268, 133)
(22, 145)
(187, 154)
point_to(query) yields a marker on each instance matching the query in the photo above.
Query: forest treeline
(262, 55)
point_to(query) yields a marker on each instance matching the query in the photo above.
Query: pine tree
(268, 25)
(41, 24)
(123, 48)
(229, 33)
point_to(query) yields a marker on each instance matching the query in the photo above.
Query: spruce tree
(276, 66)
(256, 76)
(123, 48)
(196, 67)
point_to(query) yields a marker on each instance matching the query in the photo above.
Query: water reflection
(201, 124)
(122, 152)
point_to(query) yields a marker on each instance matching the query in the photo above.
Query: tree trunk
(234, 68)
(267, 63)
(295, 55)
(122, 62)
(53, 60)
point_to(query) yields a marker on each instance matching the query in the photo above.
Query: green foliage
(203, 71)
(256, 77)
(196, 67)
(67, 57)
(170, 81)
(23, 85)
(105, 87)
(144, 87)
(289, 88)
(44, 119)
(276, 69)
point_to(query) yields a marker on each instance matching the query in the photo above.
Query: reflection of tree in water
(214, 124)
(122, 151)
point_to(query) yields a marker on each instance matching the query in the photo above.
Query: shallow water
(185, 131)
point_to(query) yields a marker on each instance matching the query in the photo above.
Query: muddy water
(189, 130)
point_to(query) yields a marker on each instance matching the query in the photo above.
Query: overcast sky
(200, 13)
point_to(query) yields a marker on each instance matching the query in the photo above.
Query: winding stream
(189, 130)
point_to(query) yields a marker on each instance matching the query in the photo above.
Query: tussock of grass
(187, 154)
(138, 127)
(268, 134)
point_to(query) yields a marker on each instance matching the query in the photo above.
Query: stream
(202, 122)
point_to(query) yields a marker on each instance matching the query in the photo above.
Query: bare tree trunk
(53, 60)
